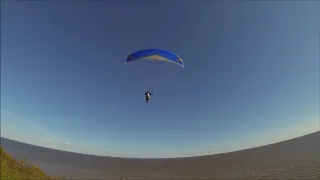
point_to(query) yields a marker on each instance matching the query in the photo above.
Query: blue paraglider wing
(155, 54)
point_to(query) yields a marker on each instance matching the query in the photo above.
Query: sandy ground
(294, 159)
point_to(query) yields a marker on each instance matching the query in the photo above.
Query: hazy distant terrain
(294, 159)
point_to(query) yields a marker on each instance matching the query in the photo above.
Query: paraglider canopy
(155, 54)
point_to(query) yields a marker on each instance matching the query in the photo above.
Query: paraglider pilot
(148, 95)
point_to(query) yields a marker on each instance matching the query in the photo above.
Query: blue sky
(251, 75)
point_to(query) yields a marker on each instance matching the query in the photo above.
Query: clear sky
(251, 75)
